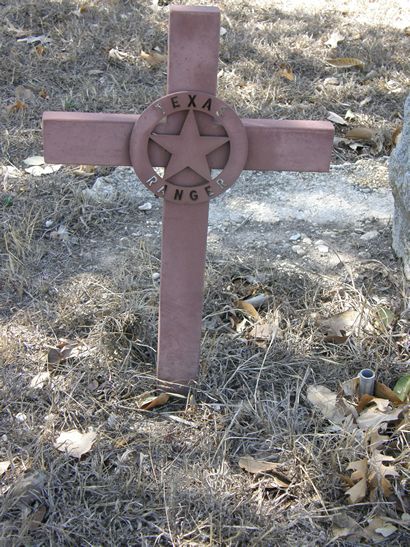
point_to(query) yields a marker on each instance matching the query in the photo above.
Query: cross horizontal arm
(102, 139)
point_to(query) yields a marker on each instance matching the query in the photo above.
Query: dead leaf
(379, 529)
(361, 134)
(117, 55)
(334, 39)
(357, 493)
(344, 526)
(4, 466)
(248, 463)
(40, 50)
(378, 469)
(342, 324)
(17, 106)
(286, 72)
(148, 400)
(248, 308)
(384, 392)
(36, 518)
(366, 400)
(359, 468)
(327, 402)
(264, 330)
(335, 118)
(372, 418)
(19, 32)
(53, 357)
(153, 58)
(376, 440)
(351, 387)
(43, 94)
(84, 170)
(75, 443)
(345, 62)
(40, 380)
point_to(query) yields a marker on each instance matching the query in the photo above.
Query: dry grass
(171, 476)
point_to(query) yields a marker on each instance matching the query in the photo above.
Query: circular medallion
(188, 133)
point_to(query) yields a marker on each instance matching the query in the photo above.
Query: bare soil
(82, 272)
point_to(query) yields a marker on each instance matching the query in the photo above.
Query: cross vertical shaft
(193, 47)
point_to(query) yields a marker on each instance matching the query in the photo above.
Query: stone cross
(189, 132)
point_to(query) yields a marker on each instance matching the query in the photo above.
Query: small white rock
(367, 236)
(21, 417)
(48, 223)
(319, 242)
(298, 250)
(155, 276)
(147, 206)
(307, 241)
(295, 237)
(323, 249)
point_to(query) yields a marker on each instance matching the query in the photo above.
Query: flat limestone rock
(399, 171)
(323, 198)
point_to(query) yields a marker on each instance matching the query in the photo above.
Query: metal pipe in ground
(367, 380)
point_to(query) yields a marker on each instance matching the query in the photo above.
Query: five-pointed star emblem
(189, 148)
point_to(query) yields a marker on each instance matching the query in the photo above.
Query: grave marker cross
(189, 132)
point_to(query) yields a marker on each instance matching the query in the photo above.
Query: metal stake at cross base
(188, 132)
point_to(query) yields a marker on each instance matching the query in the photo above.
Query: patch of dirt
(82, 272)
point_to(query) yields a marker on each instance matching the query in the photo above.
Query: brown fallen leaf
(153, 58)
(327, 402)
(248, 463)
(366, 400)
(264, 330)
(376, 440)
(384, 392)
(345, 62)
(344, 526)
(342, 324)
(75, 443)
(53, 357)
(17, 106)
(148, 400)
(358, 492)
(372, 418)
(35, 519)
(286, 72)
(361, 134)
(248, 308)
(40, 50)
(350, 387)
(379, 529)
(84, 170)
